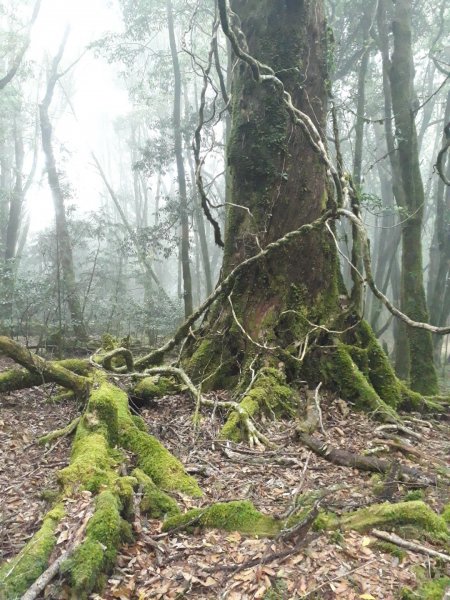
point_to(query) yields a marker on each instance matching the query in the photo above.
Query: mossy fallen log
(239, 516)
(149, 388)
(86, 569)
(154, 502)
(242, 516)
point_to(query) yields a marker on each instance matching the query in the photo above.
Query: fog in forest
(115, 99)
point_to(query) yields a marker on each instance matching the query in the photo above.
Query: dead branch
(400, 428)
(41, 582)
(278, 556)
(407, 545)
(363, 463)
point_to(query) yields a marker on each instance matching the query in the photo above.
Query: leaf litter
(208, 564)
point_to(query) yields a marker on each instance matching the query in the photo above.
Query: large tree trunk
(277, 184)
(282, 314)
(422, 373)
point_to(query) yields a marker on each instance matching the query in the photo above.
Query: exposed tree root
(59, 433)
(17, 575)
(387, 515)
(268, 394)
(106, 426)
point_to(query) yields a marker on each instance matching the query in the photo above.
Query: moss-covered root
(47, 371)
(17, 575)
(389, 516)
(19, 379)
(58, 433)
(154, 387)
(155, 503)
(269, 394)
(356, 386)
(86, 568)
(239, 516)
(106, 423)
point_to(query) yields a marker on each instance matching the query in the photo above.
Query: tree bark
(422, 373)
(440, 254)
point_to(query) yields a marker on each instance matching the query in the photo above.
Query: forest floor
(209, 564)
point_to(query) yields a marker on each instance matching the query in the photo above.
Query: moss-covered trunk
(278, 183)
(419, 350)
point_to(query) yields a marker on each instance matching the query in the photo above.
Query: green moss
(17, 379)
(91, 464)
(326, 521)
(158, 463)
(390, 549)
(431, 590)
(125, 490)
(391, 515)
(17, 575)
(239, 516)
(49, 495)
(93, 458)
(155, 387)
(353, 385)
(139, 422)
(155, 503)
(446, 514)
(152, 457)
(414, 495)
(269, 395)
(204, 358)
(377, 483)
(278, 591)
(434, 590)
(97, 554)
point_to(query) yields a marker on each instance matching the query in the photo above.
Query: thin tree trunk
(62, 231)
(178, 142)
(439, 300)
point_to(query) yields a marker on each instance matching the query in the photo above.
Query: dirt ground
(212, 564)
